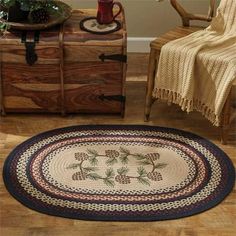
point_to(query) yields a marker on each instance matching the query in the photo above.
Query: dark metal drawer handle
(118, 98)
(114, 57)
(31, 56)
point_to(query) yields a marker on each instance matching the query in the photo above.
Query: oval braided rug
(119, 173)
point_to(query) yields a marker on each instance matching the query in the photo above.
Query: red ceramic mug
(105, 11)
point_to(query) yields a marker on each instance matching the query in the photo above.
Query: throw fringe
(187, 105)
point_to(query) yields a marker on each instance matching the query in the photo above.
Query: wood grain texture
(78, 98)
(2, 109)
(93, 73)
(38, 74)
(18, 220)
(84, 83)
(86, 99)
(89, 53)
(69, 75)
(16, 54)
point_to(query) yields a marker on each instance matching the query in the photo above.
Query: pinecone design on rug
(155, 176)
(87, 164)
(153, 156)
(122, 173)
(81, 156)
(79, 176)
(123, 179)
(112, 155)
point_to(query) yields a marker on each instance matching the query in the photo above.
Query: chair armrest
(187, 17)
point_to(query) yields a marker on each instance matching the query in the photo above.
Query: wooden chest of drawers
(75, 71)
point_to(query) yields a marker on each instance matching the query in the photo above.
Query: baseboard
(138, 44)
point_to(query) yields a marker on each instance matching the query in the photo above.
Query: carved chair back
(187, 16)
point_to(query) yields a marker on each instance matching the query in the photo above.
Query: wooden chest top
(85, 45)
(73, 35)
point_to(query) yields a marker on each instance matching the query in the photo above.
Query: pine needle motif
(109, 178)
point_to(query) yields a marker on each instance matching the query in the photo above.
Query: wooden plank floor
(17, 220)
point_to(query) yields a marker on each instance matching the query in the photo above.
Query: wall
(148, 18)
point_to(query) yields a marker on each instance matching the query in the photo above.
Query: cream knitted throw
(197, 71)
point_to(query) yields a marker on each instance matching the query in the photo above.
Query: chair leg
(225, 122)
(150, 84)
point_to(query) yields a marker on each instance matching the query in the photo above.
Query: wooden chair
(177, 33)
